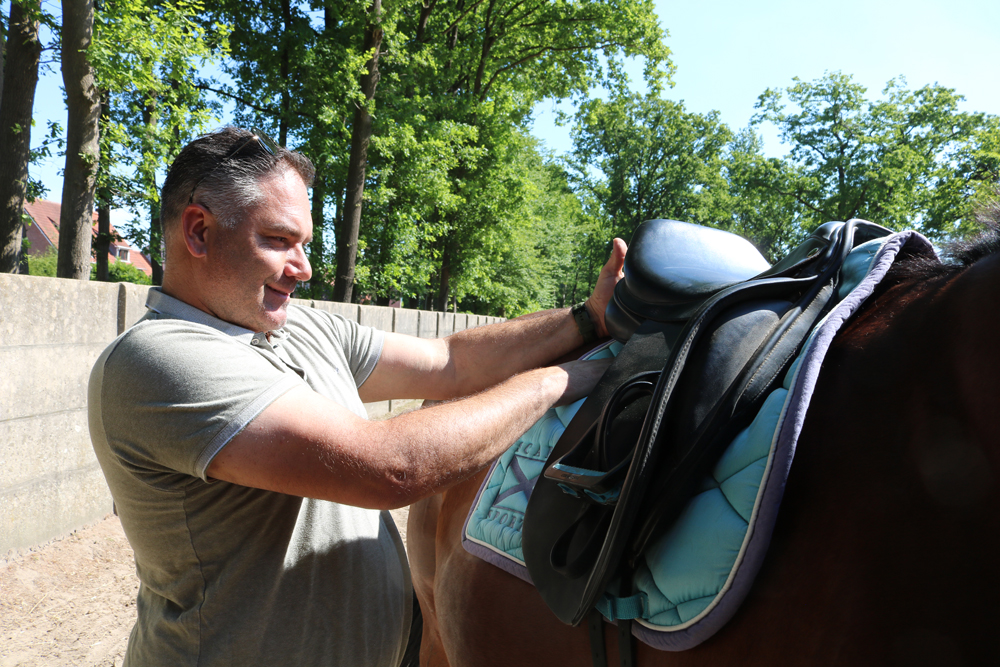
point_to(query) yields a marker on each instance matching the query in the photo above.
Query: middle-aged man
(231, 429)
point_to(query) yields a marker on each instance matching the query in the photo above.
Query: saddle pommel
(672, 267)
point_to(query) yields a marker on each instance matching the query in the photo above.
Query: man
(231, 429)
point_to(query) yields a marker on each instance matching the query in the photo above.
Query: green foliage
(44, 264)
(145, 56)
(445, 211)
(641, 157)
(122, 272)
(911, 159)
(760, 208)
(655, 160)
(118, 272)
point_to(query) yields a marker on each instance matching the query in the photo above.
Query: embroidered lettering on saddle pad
(695, 575)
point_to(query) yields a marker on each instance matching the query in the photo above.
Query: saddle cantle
(710, 329)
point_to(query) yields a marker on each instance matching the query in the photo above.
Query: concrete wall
(53, 331)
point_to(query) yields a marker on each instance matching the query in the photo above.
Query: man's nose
(297, 265)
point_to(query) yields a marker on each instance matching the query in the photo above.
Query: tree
(653, 159)
(910, 159)
(483, 65)
(153, 103)
(758, 208)
(361, 132)
(20, 78)
(83, 102)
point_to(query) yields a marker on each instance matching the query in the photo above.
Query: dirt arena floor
(71, 601)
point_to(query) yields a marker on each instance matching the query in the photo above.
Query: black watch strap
(584, 323)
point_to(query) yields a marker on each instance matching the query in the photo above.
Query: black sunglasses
(265, 142)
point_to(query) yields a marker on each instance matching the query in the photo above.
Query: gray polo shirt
(232, 575)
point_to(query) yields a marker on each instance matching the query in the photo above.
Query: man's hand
(581, 378)
(611, 273)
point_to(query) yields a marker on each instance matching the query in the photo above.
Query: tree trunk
(155, 243)
(3, 44)
(83, 102)
(317, 251)
(445, 277)
(286, 100)
(102, 244)
(361, 132)
(155, 229)
(20, 78)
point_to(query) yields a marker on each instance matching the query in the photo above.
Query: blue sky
(728, 52)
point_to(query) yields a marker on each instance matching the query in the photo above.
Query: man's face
(254, 268)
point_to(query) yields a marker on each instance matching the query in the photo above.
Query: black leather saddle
(711, 329)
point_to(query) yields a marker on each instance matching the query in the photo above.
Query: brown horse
(887, 547)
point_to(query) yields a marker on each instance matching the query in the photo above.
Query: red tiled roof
(46, 217)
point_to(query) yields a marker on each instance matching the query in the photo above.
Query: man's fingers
(616, 262)
(611, 273)
(583, 376)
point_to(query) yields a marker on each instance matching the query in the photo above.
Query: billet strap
(598, 651)
(626, 644)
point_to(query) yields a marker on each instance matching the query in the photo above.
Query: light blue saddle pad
(694, 576)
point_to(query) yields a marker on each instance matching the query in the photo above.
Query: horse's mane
(956, 255)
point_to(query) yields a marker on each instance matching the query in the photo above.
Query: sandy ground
(71, 601)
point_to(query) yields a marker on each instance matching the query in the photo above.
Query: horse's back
(886, 545)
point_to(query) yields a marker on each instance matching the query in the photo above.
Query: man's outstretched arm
(470, 361)
(306, 445)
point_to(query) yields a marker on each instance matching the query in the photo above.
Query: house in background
(44, 234)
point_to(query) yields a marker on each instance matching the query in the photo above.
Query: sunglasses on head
(265, 142)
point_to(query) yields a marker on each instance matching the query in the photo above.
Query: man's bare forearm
(439, 446)
(329, 453)
(481, 357)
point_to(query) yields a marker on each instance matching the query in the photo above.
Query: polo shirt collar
(163, 304)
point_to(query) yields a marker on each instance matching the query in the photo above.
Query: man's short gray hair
(223, 171)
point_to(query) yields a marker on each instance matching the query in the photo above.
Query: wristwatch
(584, 322)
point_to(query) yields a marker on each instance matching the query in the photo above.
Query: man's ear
(196, 223)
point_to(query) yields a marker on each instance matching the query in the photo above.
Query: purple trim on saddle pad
(501, 560)
(773, 487)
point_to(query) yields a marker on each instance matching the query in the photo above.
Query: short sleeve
(173, 393)
(330, 338)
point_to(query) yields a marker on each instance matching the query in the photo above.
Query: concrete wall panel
(44, 379)
(43, 444)
(446, 324)
(377, 409)
(461, 322)
(428, 324)
(349, 311)
(46, 311)
(131, 304)
(53, 505)
(379, 317)
(406, 321)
